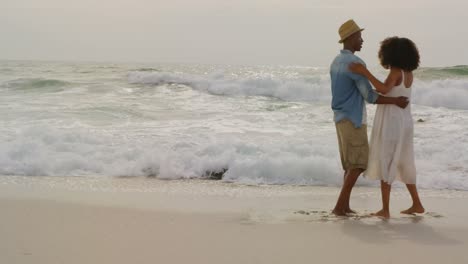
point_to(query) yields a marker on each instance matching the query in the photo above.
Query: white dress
(391, 154)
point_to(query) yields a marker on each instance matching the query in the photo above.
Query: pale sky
(246, 32)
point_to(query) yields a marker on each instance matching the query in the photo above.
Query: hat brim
(343, 39)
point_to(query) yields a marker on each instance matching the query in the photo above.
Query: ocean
(244, 124)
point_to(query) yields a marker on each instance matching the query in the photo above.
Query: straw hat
(347, 29)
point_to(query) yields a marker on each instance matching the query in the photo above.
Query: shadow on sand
(374, 230)
(412, 228)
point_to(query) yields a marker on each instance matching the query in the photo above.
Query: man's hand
(398, 101)
(401, 101)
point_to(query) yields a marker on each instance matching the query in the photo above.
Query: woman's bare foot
(414, 210)
(382, 213)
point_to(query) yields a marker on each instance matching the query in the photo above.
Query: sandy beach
(145, 220)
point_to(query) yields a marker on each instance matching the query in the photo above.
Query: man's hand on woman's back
(401, 101)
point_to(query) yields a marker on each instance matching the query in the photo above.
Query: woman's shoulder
(395, 70)
(395, 75)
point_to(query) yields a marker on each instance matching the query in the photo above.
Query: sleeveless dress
(391, 154)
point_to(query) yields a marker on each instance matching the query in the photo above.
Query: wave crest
(310, 89)
(36, 83)
(449, 93)
(459, 71)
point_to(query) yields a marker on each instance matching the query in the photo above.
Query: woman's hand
(358, 68)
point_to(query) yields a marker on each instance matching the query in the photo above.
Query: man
(349, 91)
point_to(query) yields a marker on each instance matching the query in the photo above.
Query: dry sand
(140, 220)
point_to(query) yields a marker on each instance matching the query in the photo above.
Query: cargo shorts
(353, 145)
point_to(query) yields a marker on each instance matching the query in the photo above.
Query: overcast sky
(253, 32)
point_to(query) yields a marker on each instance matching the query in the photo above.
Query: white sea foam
(253, 159)
(441, 93)
(50, 152)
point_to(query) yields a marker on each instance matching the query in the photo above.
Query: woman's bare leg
(385, 188)
(417, 205)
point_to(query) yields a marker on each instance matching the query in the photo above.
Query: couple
(390, 155)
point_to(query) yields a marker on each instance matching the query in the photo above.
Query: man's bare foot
(382, 213)
(339, 212)
(349, 211)
(414, 210)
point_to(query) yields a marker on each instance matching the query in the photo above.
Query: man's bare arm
(401, 101)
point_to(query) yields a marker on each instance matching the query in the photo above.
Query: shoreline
(78, 220)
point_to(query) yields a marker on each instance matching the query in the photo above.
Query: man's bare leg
(385, 189)
(342, 205)
(417, 205)
(347, 210)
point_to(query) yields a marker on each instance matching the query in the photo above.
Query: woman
(391, 155)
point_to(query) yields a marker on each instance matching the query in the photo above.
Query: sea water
(248, 124)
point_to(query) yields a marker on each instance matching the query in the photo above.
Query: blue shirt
(349, 90)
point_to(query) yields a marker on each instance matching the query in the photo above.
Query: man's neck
(349, 48)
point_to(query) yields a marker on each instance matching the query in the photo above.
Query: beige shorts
(353, 144)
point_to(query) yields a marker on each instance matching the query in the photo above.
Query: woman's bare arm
(383, 88)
